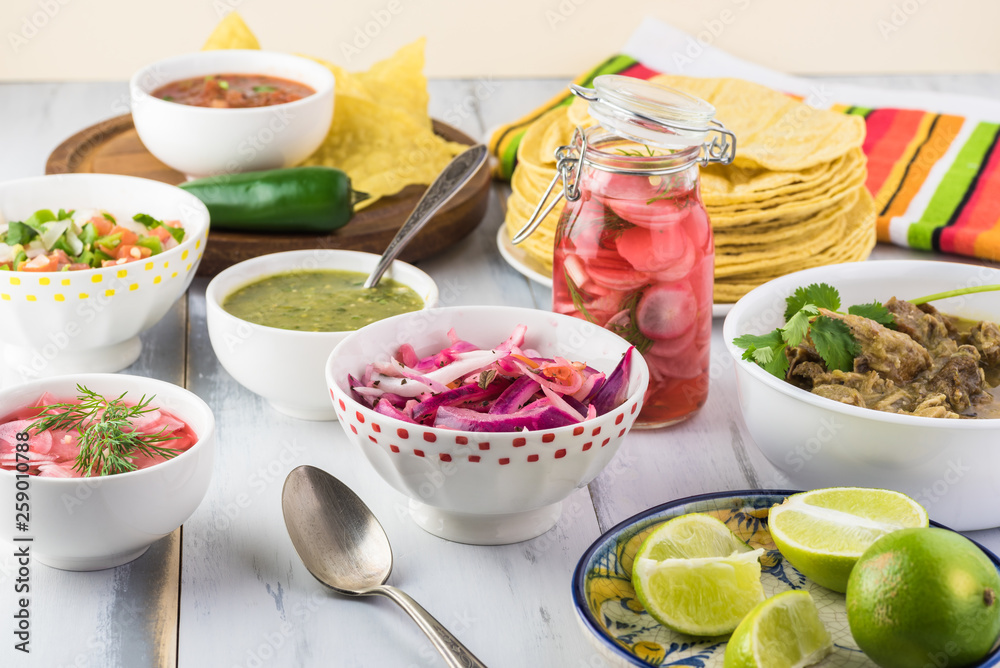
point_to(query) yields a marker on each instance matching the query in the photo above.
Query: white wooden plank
(126, 616)
(709, 452)
(243, 582)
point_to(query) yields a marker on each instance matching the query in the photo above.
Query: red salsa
(233, 91)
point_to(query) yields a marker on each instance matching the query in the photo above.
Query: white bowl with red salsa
(81, 522)
(70, 304)
(232, 110)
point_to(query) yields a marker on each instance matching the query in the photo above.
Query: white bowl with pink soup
(67, 521)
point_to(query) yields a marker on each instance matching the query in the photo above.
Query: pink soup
(53, 453)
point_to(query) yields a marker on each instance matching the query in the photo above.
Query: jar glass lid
(648, 113)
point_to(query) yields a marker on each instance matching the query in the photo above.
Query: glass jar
(633, 246)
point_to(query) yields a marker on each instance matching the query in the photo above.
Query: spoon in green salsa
(450, 181)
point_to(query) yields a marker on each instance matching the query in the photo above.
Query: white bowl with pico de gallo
(87, 263)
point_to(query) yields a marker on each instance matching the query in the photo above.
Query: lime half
(824, 532)
(706, 596)
(784, 631)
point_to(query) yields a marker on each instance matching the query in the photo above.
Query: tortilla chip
(344, 83)
(381, 135)
(231, 33)
(399, 81)
(383, 149)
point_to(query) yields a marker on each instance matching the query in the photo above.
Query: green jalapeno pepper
(295, 199)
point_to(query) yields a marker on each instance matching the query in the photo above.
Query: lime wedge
(690, 536)
(824, 532)
(705, 596)
(784, 631)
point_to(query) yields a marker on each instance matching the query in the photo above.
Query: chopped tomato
(162, 232)
(130, 252)
(39, 263)
(102, 225)
(128, 236)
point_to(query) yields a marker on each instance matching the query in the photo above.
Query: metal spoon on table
(343, 545)
(450, 181)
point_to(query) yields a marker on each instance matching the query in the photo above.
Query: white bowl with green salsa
(274, 320)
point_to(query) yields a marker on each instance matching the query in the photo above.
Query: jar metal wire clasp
(569, 162)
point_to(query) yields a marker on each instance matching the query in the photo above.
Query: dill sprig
(630, 329)
(107, 441)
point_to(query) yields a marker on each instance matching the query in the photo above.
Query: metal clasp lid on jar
(642, 112)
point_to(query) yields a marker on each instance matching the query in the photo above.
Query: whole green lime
(921, 597)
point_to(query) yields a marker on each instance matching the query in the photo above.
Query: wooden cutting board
(113, 147)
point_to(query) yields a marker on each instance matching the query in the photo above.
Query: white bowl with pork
(948, 465)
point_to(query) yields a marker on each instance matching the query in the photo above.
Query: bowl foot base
(485, 529)
(317, 414)
(90, 563)
(24, 364)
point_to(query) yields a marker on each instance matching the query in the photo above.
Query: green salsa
(326, 300)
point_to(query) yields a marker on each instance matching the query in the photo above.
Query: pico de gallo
(83, 239)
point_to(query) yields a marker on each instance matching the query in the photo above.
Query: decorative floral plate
(626, 635)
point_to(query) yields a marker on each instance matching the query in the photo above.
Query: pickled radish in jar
(702, 283)
(642, 269)
(653, 249)
(672, 347)
(608, 185)
(618, 275)
(648, 213)
(681, 268)
(682, 366)
(698, 228)
(633, 248)
(666, 311)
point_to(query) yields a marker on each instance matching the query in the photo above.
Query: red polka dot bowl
(484, 488)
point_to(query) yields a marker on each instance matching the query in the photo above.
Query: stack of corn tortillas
(793, 198)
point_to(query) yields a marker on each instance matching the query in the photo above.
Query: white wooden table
(228, 590)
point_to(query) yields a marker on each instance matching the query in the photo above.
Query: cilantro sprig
(831, 337)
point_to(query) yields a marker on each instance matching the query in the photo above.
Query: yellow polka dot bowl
(55, 323)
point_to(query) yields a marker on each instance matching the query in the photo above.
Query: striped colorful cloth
(935, 175)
